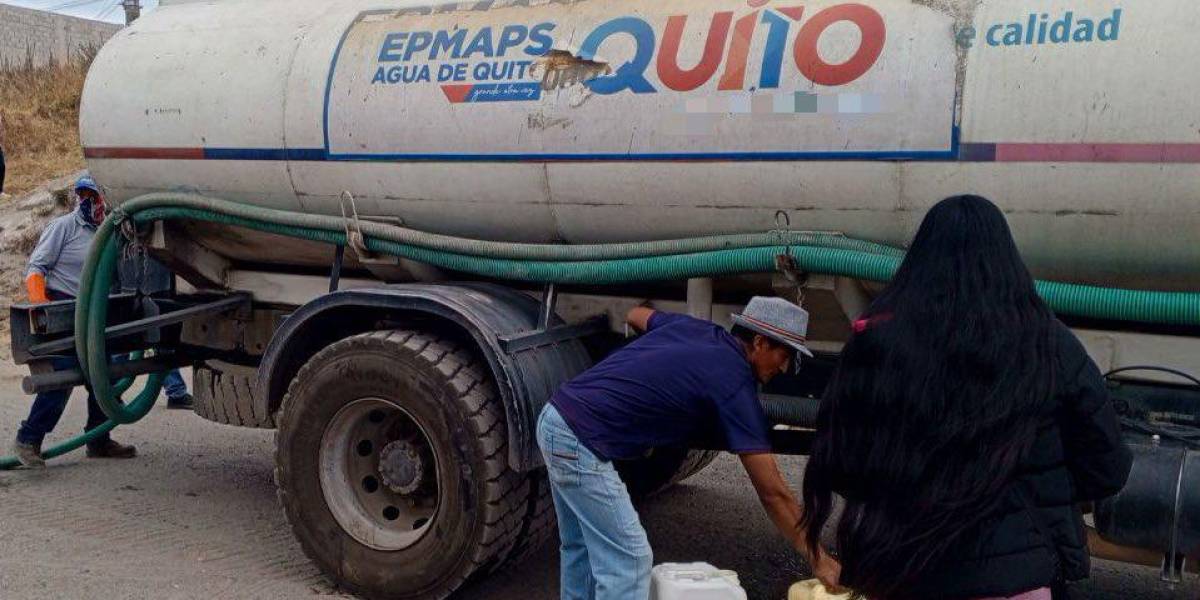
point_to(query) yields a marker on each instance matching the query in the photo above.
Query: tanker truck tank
(626, 120)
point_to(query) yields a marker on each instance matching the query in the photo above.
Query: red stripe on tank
(1099, 153)
(1166, 153)
(145, 153)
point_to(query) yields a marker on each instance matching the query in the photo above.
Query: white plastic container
(813, 590)
(694, 581)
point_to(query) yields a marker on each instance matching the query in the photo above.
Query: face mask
(92, 209)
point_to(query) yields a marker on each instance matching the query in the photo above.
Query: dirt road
(195, 517)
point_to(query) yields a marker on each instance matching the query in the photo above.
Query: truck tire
(538, 524)
(225, 393)
(662, 469)
(392, 466)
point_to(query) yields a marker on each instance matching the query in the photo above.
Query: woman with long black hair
(962, 428)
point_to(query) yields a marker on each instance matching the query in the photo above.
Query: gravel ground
(195, 516)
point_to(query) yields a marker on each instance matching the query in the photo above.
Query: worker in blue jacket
(53, 274)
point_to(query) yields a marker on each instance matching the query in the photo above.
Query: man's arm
(781, 505)
(42, 260)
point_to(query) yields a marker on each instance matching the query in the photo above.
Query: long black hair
(933, 403)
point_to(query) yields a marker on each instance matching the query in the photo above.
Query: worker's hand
(639, 318)
(35, 285)
(828, 571)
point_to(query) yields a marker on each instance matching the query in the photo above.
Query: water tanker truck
(398, 225)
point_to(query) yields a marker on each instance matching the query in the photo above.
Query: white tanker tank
(621, 120)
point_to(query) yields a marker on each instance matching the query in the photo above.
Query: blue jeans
(605, 554)
(174, 385)
(48, 408)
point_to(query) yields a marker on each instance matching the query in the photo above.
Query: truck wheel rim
(379, 474)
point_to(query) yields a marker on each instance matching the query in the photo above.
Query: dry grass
(40, 106)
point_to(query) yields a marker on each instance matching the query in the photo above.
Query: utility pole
(133, 10)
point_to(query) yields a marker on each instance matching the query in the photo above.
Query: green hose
(594, 264)
(91, 319)
(645, 261)
(151, 208)
(79, 441)
(71, 445)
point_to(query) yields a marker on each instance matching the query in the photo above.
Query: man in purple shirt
(684, 383)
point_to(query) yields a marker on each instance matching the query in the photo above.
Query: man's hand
(639, 318)
(828, 571)
(35, 285)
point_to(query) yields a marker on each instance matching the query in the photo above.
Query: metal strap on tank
(355, 238)
(1173, 562)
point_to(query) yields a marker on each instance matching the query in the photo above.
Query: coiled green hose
(595, 264)
(79, 441)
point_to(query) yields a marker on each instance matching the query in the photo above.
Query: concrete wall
(46, 36)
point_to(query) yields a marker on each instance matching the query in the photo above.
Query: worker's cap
(777, 319)
(86, 182)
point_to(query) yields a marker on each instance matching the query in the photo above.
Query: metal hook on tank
(354, 235)
(783, 224)
(786, 263)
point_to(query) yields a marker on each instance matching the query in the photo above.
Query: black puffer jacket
(1037, 536)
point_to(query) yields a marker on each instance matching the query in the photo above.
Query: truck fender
(525, 374)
